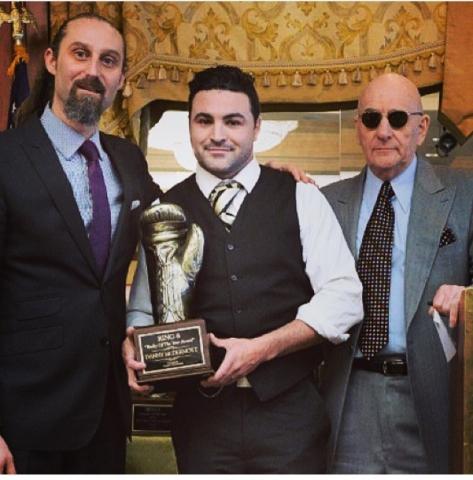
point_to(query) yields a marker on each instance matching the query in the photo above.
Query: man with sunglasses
(410, 227)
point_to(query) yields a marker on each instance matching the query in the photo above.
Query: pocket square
(447, 237)
(135, 204)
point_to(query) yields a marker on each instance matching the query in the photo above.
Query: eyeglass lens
(397, 118)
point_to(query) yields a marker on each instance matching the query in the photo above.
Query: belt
(215, 392)
(389, 365)
(243, 382)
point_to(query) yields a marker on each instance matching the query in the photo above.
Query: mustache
(90, 83)
(217, 144)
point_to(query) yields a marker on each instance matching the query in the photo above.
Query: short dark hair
(225, 77)
(43, 87)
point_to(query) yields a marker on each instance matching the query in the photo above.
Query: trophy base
(176, 355)
(151, 415)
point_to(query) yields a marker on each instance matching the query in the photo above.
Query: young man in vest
(277, 279)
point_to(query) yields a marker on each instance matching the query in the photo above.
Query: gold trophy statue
(175, 347)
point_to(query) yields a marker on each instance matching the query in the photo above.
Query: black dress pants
(236, 433)
(104, 454)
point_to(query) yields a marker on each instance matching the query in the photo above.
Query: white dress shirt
(66, 142)
(337, 302)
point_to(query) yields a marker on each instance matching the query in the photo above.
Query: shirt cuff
(329, 330)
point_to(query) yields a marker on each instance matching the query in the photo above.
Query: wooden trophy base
(151, 415)
(176, 355)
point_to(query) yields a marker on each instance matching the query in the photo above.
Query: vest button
(105, 341)
(238, 311)
(230, 247)
(233, 278)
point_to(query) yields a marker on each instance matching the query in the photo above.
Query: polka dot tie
(374, 270)
(221, 199)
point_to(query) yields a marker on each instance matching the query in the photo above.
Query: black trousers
(104, 454)
(235, 433)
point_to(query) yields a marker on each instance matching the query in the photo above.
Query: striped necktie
(221, 199)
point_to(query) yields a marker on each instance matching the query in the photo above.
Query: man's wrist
(266, 349)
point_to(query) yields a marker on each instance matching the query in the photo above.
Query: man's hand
(129, 358)
(242, 357)
(447, 302)
(6, 459)
(298, 174)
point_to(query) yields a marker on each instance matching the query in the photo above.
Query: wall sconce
(445, 144)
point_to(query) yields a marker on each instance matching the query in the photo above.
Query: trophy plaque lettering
(176, 348)
(151, 415)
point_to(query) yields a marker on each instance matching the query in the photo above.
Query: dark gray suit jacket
(442, 198)
(61, 322)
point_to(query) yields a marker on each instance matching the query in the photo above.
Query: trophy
(176, 349)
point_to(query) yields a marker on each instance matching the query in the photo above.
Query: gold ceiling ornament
(306, 7)
(402, 31)
(373, 74)
(259, 28)
(175, 76)
(282, 82)
(374, 66)
(418, 65)
(312, 79)
(297, 80)
(315, 51)
(433, 61)
(212, 38)
(439, 16)
(162, 75)
(328, 79)
(151, 76)
(354, 25)
(190, 75)
(356, 76)
(342, 77)
(266, 79)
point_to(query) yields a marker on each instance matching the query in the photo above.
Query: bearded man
(70, 201)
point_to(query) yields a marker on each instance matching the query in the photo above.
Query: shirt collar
(402, 185)
(65, 139)
(247, 176)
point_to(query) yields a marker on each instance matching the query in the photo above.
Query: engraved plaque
(173, 351)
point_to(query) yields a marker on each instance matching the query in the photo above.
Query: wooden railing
(462, 390)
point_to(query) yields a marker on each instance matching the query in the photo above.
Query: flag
(20, 88)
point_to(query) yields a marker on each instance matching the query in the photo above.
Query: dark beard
(86, 109)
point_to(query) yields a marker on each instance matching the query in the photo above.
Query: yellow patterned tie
(221, 199)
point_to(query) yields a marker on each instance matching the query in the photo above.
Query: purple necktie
(100, 227)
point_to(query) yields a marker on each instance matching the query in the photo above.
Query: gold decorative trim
(314, 52)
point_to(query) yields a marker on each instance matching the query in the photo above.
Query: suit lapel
(349, 204)
(431, 204)
(43, 157)
(120, 164)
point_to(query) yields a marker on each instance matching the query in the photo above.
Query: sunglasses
(396, 118)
